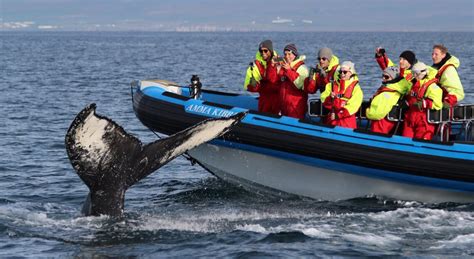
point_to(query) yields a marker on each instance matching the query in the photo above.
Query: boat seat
(363, 109)
(463, 113)
(316, 108)
(438, 116)
(459, 113)
(395, 114)
(442, 118)
(362, 121)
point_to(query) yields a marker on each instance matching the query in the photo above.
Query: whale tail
(109, 160)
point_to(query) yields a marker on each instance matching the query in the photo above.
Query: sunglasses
(386, 77)
(323, 59)
(264, 51)
(345, 71)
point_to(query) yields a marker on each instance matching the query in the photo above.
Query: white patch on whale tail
(89, 137)
(109, 160)
(201, 134)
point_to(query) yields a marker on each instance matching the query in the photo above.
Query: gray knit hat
(292, 48)
(266, 44)
(325, 53)
(393, 72)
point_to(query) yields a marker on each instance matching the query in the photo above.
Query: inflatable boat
(284, 155)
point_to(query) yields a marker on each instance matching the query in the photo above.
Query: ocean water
(181, 210)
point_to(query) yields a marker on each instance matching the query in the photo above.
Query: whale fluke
(109, 160)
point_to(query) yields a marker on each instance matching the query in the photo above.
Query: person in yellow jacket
(393, 87)
(406, 61)
(424, 94)
(343, 97)
(261, 77)
(447, 75)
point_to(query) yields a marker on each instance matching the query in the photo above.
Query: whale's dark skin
(109, 160)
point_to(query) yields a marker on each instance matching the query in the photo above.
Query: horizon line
(228, 31)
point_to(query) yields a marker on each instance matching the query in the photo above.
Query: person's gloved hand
(379, 52)
(446, 105)
(312, 71)
(321, 72)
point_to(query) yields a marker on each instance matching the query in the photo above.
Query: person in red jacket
(387, 95)
(343, 97)
(292, 73)
(261, 77)
(324, 72)
(424, 94)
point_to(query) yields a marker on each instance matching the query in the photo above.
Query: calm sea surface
(46, 78)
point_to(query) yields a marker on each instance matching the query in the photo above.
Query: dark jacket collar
(442, 62)
(393, 81)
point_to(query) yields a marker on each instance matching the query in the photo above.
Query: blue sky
(244, 15)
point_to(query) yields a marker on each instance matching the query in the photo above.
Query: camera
(279, 59)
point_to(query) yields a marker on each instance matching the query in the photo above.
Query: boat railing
(465, 115)
(461, 116)
(316, 109)
(441, 118)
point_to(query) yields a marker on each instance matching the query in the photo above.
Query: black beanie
(291, 47)
(266, 44)
(409, 56)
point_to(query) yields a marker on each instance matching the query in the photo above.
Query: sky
(241, 15)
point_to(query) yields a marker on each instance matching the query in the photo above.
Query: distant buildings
(278, 24)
